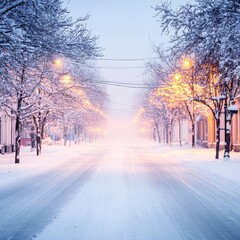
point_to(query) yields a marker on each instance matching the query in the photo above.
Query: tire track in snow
(27, 207)
(195, 206)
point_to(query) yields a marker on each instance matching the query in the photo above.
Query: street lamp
(66, 79)
(58, 63)
(233, 109)
(228, 112)
(177, 76)
(187, 63)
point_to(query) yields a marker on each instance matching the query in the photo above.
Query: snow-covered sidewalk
(31, 165)
(204, 160)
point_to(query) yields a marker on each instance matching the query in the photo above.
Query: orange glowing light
(66, 79)
(80, 92)
(87, 102)
(58, 63)
(187, 63)
(177, 76)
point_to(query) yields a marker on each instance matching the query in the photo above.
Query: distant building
(181, 132)
(7, 133)
(236, 128)
(202, 129)
(206, 131)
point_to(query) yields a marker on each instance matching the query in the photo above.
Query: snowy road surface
(28, 205)
(127, 192)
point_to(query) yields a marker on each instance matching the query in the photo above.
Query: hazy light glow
(177, 76)
(66, 79)
(58, 63)
(187, 63)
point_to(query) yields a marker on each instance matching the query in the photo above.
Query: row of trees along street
(199, 72)
(44, 77)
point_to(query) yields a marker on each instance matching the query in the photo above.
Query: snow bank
(31, 165)
(203, 159)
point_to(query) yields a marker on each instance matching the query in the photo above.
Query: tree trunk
(65, 135)
(18, 126)
(158, 133)
(43, 124)
(75, 133)
(17, 140)
(192, 119)
(38, 135)
(79, 134)
(38, 142)
(193, 134)
(170, 136)
(179, 133)
(166, 133)
(163, 134)
(69, 136)
(154, 134)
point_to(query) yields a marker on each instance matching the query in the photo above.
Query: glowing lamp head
(187, 63)
(58, 63)
(66, 79)
(87, 102)
(177, 76)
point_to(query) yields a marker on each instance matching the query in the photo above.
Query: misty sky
(127, 29)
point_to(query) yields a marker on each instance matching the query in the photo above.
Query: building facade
(206, 131)
(7, 133)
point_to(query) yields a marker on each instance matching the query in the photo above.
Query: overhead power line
(123, 59)
(128, 85)
(113, 59)
(118, 67)
(122, 110)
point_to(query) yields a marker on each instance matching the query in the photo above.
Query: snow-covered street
(131, 190)
(119, 120)
(32, 195)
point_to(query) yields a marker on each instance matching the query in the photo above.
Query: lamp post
(228, 112)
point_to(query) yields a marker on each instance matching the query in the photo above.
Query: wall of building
(181, 131)
(235, 137)
(7, 133)
(202, 131)
(206, 131)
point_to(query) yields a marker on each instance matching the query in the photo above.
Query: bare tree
(209, 30)
(26, 42)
